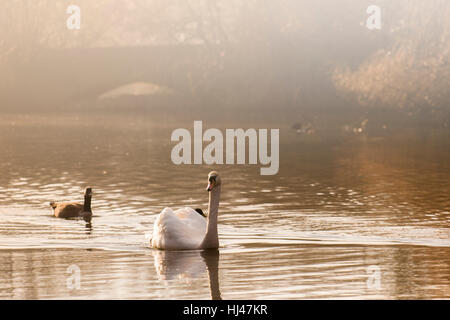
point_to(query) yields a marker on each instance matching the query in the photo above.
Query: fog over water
(364, 158)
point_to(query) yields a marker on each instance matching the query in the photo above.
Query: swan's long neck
(87, 203)
(211, 239)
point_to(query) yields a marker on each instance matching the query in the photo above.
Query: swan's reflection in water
(189, 264)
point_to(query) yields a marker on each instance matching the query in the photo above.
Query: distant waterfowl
(74, 209)
(185, 228)
(305, 128)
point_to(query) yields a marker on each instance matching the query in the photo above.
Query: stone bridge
(58, 76)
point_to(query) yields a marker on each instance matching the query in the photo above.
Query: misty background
(364, 146)
(296, 61)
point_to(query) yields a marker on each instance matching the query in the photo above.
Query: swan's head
(213, 180)
(88, 192)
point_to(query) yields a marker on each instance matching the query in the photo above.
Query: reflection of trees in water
(402, 179)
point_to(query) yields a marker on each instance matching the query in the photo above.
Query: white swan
(186, 229)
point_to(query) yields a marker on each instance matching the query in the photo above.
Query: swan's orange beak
(210, 186)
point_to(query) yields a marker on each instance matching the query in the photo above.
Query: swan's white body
(181, 229)
(186, 229)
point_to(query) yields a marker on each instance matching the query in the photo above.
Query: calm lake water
(350, 216)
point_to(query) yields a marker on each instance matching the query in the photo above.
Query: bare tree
(415, 70)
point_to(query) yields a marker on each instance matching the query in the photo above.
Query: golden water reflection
(338, 206)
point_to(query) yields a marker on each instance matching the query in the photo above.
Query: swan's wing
(172, 232)
(192, 218)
